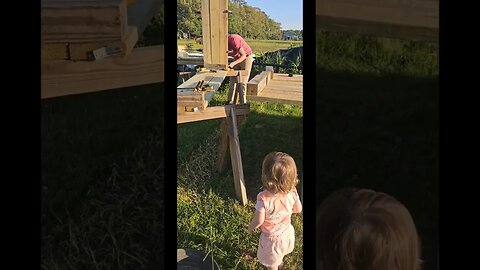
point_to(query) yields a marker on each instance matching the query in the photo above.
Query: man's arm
(243, 55)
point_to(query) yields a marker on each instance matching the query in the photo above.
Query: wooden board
(55, 51)
(212, 113)
(282, 89)
(214, 79)
(236, 157)
(258, 83)
(413, 19)
(143, 66)
(83, 20)
(215, 33)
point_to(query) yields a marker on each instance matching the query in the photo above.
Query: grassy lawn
(208, 216)
(377, 124)
(102, 180)
(259, 47)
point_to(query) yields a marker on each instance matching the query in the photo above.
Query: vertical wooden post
(215, 33)
(223, 147)
(236, 157)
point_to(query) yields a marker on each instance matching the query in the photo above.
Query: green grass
(102, 180)
(377, 124)
(208, 216)
(259, 47)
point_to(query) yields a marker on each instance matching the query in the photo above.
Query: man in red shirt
(243, 58)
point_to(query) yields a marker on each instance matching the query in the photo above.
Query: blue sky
(289, 13)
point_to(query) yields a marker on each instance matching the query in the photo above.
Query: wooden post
(236, 157)
(215, 33)
(223, 147)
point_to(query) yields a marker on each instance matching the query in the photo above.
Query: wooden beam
(413, 20)
(236, 157)
(215, 33)
(258, 83)
(83, 20)
(212, 113)
(143, 66)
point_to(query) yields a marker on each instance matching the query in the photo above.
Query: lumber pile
(189, 100)
(75, 29)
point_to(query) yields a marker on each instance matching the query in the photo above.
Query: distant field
(259, 47)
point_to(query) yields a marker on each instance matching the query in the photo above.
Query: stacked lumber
(73, 29)
(189, 101)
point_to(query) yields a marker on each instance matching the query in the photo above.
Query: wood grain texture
(143, 66)
(214, 33)
(214, 79)
(212, 113)
(236, 157)
(282, 89)
(256, 85)
(83, 20)
(207, 46)
(413, 19)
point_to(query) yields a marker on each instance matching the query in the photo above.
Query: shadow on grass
(259, 135)
(83, 135)
(381, 132)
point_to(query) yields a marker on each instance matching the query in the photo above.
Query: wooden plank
(282, 89)
(414, 19)
(207, 46)
(143, 66)
(285, 77)
(83, 20)
(83, 51)
(236, 158)
(214, 33)
(212, 113)
(129, 40)
(276, 100)
(258, 83)
(54, 51)
(214, 79)
(199, 96)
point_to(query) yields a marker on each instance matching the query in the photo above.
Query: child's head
(364, 229)
(279, 173)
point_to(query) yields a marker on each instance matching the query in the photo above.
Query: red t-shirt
(235, 43)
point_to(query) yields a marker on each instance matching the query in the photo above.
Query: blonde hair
(279, 173)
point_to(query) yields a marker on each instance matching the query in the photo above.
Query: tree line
(247, 21)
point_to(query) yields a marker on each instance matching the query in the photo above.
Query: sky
(289, 13)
